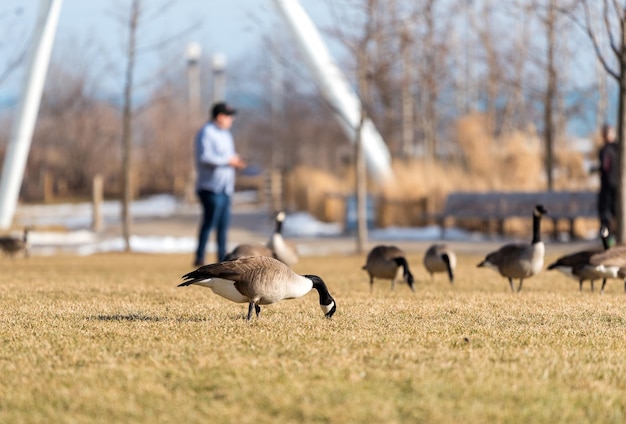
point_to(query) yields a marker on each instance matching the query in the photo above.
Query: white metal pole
(219, 77)
(24, 124)
(335, 87)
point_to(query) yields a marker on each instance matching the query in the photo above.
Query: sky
(233, 28)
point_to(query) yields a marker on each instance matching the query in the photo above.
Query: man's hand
(237, 163)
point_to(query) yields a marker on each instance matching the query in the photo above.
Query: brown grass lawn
(110, 338)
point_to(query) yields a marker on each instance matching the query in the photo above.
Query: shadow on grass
(138, 317)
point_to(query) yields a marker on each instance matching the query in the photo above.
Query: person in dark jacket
(608, 166)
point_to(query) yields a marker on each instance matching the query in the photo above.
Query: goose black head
(539, 210)
(327, 303)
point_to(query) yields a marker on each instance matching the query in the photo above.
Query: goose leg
(371, 283)
(251, 306)
(257, 308)
(603, 284)
(580, 286)
(519, 288)
(592, 285)
(511, 284)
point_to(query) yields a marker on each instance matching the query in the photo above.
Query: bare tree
(138, 17)
(127, 118)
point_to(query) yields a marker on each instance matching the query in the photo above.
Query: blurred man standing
(216, 163)
(609, 168)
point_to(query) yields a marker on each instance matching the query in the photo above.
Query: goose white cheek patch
(327, 308)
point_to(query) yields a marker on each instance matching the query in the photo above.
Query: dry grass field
(110, 338)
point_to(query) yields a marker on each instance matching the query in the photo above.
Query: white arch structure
(335, 89)
(30, 99)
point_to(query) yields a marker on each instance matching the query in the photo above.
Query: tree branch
(596, 46)
(607, 27)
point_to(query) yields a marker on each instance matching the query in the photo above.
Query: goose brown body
(11, 245)
(519, 260)
(246, 250)
(388, 262)
(259, 280)
(440, 258)
(578, 264)
(610, 263)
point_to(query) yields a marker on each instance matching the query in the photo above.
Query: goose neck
(536, 228)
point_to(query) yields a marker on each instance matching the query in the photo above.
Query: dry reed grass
(109, 338)
(512, 162)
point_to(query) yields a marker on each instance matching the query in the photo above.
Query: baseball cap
(224, 108)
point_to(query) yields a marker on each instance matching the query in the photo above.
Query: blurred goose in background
(246, 250)
(440, 258)
(520, 260)
(276, 247)
(577, 265)
(610, 263)
(11, 245)
(388, 262)
(284, 250)
(259, 280)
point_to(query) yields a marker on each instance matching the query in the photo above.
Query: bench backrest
(560, 204)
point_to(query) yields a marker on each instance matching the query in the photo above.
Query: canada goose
(440, 258)
(577, 266)
(11, 245)
(519, 260)
(245, 250)
(259, 280)
(610, 263)
(284, 250)
(387, 262)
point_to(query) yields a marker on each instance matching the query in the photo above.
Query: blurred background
(475, 95)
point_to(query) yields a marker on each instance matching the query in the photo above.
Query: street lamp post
(219, 77)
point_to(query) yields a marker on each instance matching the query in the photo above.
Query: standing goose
(519, 260)
(259, 280)
(610, 263)
(577, 265)
(388, 262)
(245, 250)
(440, 258)
(284, 250)
(11, 245)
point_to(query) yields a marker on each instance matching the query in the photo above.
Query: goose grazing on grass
(610, 263)
(11, 245)
(259, 280)
(284, 250)
(440, 258)
(577, 265)
(388, 262)
(246, 250)
(519, 260)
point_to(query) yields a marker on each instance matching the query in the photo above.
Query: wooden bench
(497, 207)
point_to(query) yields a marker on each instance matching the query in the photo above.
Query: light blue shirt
(213, 149)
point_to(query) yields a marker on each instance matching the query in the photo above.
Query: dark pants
(606, 205)
(216, 214)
